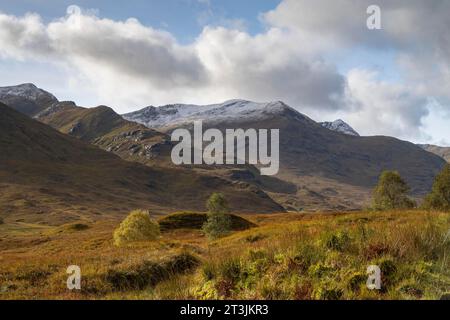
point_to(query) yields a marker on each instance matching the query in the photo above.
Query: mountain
(49, 177)
(26, 98)
(320, 169)
(104, 128)
(329, 170)
(340, 126)
(443, 152)
(233, 111)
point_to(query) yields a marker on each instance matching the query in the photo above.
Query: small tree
(138, 226)
(391, 192)
(439, 198)
(218, 223)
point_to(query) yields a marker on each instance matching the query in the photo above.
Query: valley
(69, 176)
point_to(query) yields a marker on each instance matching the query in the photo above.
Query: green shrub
(230, 270)
(327, 292)
(319, 270)
(338, 241)
(305, 255)
(219, 223)
(356, 280)
(138, 226)
(388, 267)
(391, 192)
(439, 198)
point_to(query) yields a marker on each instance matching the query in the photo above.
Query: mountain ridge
(321, 169)
(50, 177)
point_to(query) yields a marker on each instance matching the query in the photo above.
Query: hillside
(330, 170)
(321, 168)
(106, 129)
(49, 177)
(443, 152)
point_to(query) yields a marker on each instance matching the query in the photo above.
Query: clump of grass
(252, 238)
(34, 274)
(77, 227)
(328, 292)
(356, 280)
(338, 241)
(1, 221)
(150, 273)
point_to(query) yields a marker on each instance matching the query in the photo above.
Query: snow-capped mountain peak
(231, 110)
(28, 91)
(340, 126)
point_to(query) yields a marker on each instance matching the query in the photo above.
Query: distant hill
(443, 152)
(47, 176)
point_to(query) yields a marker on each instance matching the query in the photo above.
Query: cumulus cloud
(416, 29)
(128, 65)
(383, 108)
(153, 67)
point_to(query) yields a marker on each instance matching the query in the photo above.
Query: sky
(318, 56)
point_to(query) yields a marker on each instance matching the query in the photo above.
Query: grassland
(286, 256)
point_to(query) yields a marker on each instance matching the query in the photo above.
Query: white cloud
(382, 108)
(416, 29)
(127, 65)
(132, 65)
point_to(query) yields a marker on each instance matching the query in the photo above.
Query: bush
(138, 226)
(195, 221)
(339, 241)
(218, 223)
(439, 198)
(391, 192)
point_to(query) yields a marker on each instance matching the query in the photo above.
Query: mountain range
(53, 178)
(324, 166)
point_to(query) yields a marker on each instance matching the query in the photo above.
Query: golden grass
(288, 256)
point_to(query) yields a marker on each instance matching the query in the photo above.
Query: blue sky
(316, 55)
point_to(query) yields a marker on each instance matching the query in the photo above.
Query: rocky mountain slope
(340, 126)
(27, 98)
(50, 177)
(321, 169)
(330, 170)
(103, 127)
(443, 152)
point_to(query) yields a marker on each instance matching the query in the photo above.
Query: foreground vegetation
(286, 256)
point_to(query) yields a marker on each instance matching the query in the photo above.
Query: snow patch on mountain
(341, 127)
(27, 91)
(230, 111)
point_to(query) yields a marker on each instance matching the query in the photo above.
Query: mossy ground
(287, 256)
